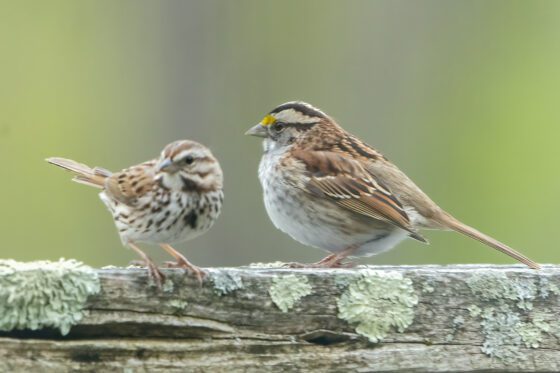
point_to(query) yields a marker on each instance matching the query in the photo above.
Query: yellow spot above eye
(268, 120)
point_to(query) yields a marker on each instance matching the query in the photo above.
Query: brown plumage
(170, 199)
(327, 188)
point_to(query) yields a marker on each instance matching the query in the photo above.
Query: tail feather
(462, 228)
(94, 177)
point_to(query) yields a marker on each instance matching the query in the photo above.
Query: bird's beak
(259, 131)
(165, 166)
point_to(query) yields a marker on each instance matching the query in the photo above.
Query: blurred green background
(464, 96)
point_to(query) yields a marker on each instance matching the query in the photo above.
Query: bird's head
(288, 123)
(189, 166)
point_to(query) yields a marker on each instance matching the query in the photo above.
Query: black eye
(188, 159)
(277, 127)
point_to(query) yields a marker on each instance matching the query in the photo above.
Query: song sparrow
(328, 189)
(170, 199)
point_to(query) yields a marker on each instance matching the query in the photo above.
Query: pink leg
(330, 261)
(182, 262)
(155, 274)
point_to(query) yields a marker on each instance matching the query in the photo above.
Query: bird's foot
(198, 272)
(155, 274)
(331, 261)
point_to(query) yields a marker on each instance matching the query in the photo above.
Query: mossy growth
(286, 291)
(377, 303)
(504, 308)
(43, 294)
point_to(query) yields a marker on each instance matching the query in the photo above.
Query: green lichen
(474, 310)
(505, 303)
(43, 294)
(225, 282)
(178, 304)
(285, 291)
(167, 287)
(378, 302)
(531, 333)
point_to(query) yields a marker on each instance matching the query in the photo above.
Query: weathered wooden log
(63, 316)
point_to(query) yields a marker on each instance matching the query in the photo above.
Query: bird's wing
(345, 181)
(129, 185)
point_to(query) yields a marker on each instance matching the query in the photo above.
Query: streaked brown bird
(328, 189)
(167, 200)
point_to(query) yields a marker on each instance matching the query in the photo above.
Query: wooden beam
(375, 318)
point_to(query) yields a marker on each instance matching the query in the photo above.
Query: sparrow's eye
(277, 127)
(188, 159)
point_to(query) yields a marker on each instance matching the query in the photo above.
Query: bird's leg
(326, 260)
(336, 260)
(182, 262)
(154, 272)
(330, 261)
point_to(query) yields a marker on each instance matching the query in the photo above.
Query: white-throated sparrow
(328, 189)
(170, 199)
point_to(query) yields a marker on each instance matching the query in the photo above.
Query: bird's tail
(94, 177)
(454, 224)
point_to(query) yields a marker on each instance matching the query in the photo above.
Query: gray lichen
(225, 282)
(458, 321)
(497, 286)
(378, 302)
(44, 294)
(505, 303)
(267, 265)
(286, 291)
(343, 281)
(501, 339)
(427, 288)
(546, 288)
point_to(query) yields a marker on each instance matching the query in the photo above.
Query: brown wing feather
(132, 183)
(351, 186)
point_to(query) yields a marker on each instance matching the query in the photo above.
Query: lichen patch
(474, 310)
(378, 302)
(225, 282)
(276, 264)
(286, 291)
(167, 287)
(43, 294)
(178, 304)
(547, 287)
(497, 286)
(505, 306)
